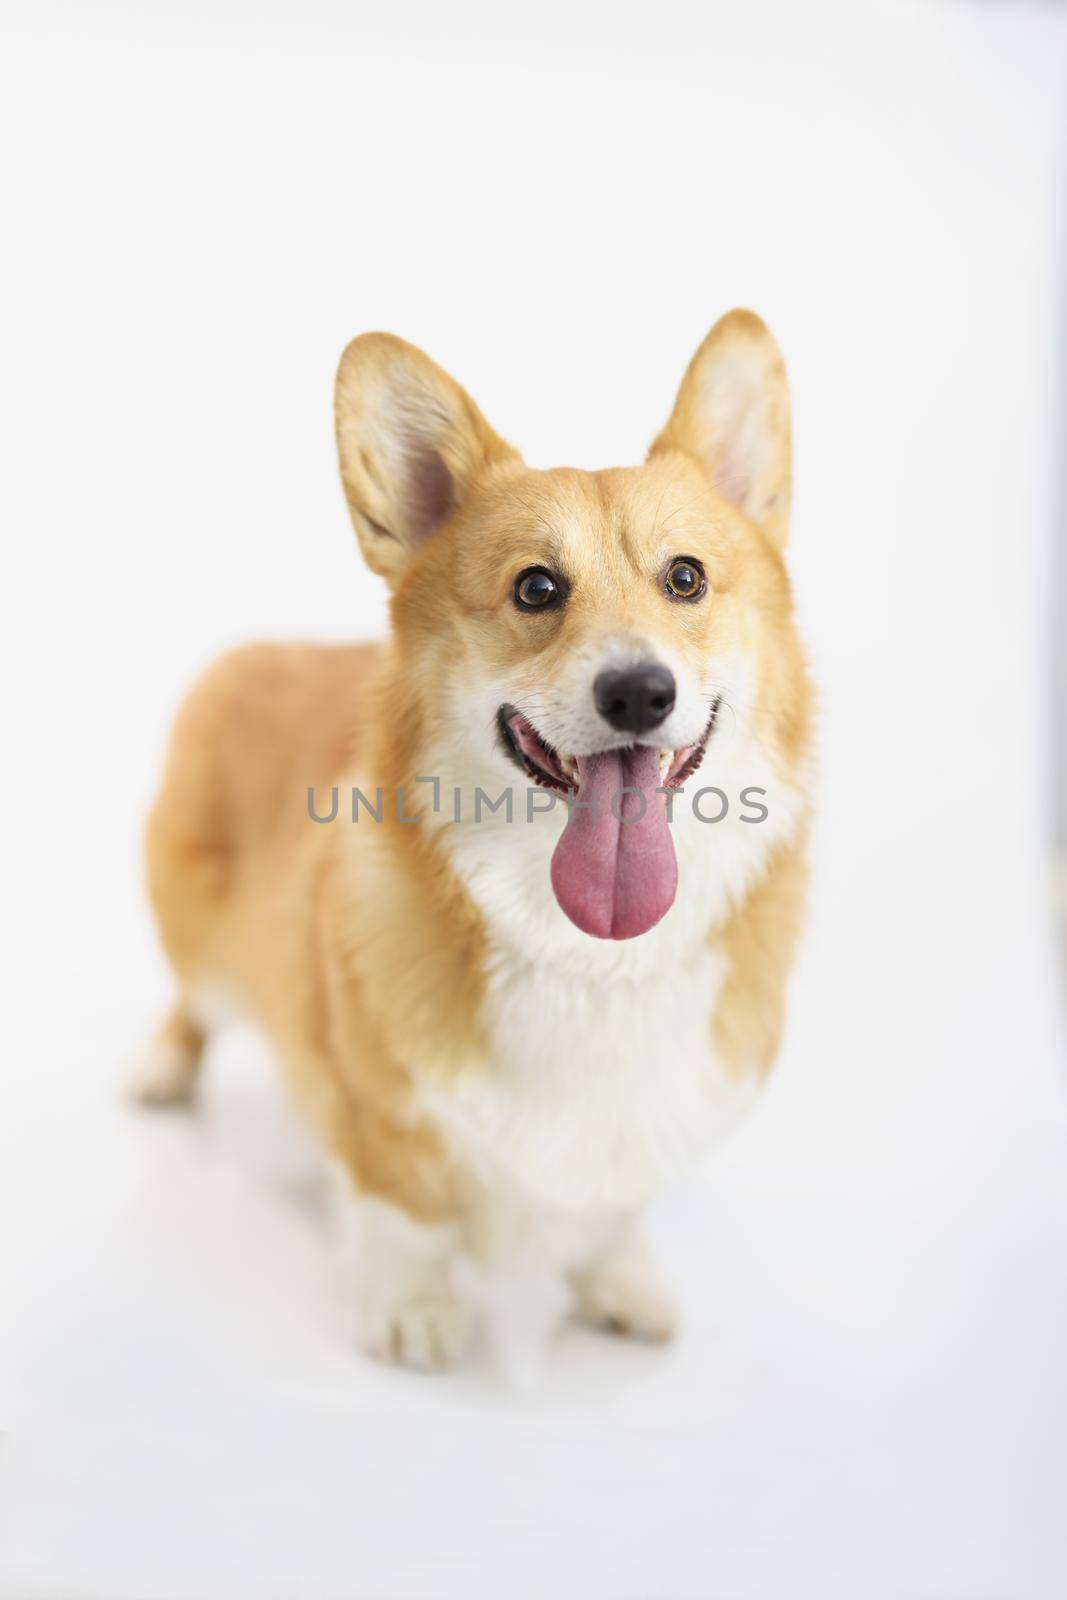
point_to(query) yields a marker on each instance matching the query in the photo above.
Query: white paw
(627, 1294)
(428, 1332)
(164, 1076)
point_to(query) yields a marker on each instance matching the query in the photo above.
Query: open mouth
(554, 770)
(614, 870)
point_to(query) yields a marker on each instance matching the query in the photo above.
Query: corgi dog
(515, 893)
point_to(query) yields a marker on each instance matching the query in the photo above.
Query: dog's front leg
(622, 1289)
(397, 1282)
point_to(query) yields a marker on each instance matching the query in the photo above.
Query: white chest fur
(599, 1092)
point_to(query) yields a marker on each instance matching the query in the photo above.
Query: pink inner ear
(735, 443)
(429, 496)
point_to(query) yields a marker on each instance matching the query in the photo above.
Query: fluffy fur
(492, 1081)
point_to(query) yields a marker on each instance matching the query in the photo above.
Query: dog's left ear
(411, 444)
(732, 413)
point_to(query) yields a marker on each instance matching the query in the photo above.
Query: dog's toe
(429, 1333)
(627, 1294)
(165, 1075)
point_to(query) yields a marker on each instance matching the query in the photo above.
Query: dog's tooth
(665, 757)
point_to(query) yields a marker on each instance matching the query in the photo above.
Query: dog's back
(261, 726)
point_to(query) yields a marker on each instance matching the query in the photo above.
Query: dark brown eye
(685, 579)
(536, 589)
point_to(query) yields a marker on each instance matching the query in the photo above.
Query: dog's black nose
(635, 699)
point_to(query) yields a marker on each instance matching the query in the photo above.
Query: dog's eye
(685, 579)
(535, 589)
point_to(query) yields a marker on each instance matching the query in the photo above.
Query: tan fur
(758, 942)
(358, 947)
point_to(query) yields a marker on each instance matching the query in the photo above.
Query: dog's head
(601, 617)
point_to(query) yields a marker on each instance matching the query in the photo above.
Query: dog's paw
(428, 1332)
(627, 1294)
(165, 1075)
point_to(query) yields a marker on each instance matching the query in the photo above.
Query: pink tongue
(615, 875)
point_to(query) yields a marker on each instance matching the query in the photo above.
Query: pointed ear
(732, 413)
(411, 443)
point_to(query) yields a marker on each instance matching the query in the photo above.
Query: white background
(201, 204)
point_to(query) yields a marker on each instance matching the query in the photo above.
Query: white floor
(867, 1399)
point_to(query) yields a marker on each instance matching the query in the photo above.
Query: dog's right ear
(411, 443)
